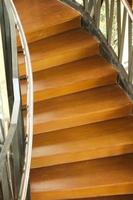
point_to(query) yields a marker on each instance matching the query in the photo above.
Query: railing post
(122, 35)
(111, 21)
(107, 17)
(130, 51)
(98, 9)
(85, 4)
(119, 24)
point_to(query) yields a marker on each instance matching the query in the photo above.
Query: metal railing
(16, 147)
(29, 106)
(114, 20)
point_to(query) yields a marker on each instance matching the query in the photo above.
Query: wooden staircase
(83, 123)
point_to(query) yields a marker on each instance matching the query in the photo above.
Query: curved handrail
(29, 127)
(15, 22)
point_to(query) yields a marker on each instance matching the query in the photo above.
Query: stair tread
(108, 176)
(85, 107)
(115, 197)
(60, 49)
(72, 77)
(54, 18)
(113, 137)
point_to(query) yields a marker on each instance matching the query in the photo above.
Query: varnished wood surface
(108, 138)
(115, 197)
(72, 77)
(63, 48)
(74, 141)
(110, 176)
(43, 18)
(81, 108)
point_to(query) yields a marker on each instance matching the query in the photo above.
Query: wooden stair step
(45, 18)
(108, 176)
(103, 139)
(72, 77)
(86, 107)
(115, 197)
(60, 49)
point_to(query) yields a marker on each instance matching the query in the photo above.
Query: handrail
(13, 17)
(93, 8)
(29, 127)
(116, 34)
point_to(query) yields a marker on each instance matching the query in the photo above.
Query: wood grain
(72, 77)
(82, 121)
(118, 197)
(63, 48)
(86, 107)
(110, 176)
(44, 18)
(108, 138)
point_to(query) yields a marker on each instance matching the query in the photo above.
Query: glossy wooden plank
(81, 108)
(57, 145)
(72, 77)
(63, 48)
(43, 18)
(108, 138)
(115, 197)
(110, 176)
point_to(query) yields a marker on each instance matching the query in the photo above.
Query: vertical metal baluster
(2, 135)
(122, 35)
(130, 51)
(5, 185)
(95, 11)
(99, 3)
(1, 193)
(107, 16)
(85, 4)
(9, 173)
(119, 24)
(112, 6)
(90, 7)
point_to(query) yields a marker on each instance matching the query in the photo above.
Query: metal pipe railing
(29, 124)
(118, 9)
(15, 25)
(117, 18)
(128, 8)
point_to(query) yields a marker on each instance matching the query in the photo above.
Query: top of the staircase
(45, 17)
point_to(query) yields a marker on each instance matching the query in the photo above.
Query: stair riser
(76, 87)
(81, 156)
(86, 161)
(122, 197)
(82, 120)
(54, 30)
(66, 57)
(85, 193)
